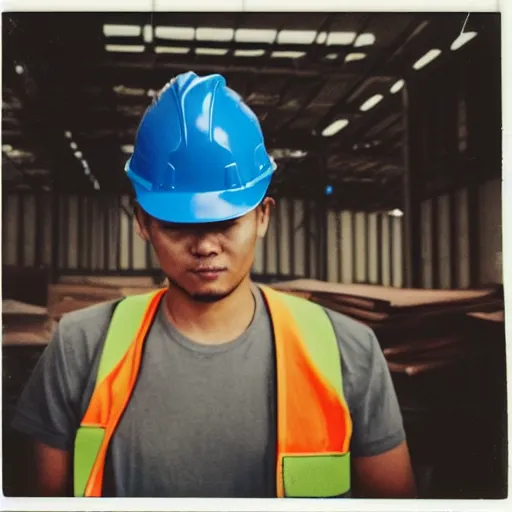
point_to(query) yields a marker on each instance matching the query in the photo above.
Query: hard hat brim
(202, 207)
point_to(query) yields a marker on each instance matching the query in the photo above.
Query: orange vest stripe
(311, 417)
(112, 395)
(313, 422)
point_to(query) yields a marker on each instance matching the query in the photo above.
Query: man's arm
(53, 471)
(388, 475)
(381, 465)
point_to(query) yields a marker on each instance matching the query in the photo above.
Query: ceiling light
(463, 38)
(249, 53)
(148, 34)
(85, 165)
(396, 213)
(182, 33)
(371, 102)
(7, 148)
(125, 48)
(19, 69)
(211, 51)
(321, 38)
(151, 93)
(78, 154)
(365, 39)
(171, 49)
(67, 135)
(331, 56)
(96, 185)
(296, 36)
(128, 91)
(127, 149)
(341, 38)
(121, 30)
(87, 171)
(397, 86)
(335, 127)
(214, 34)
(426, 59)
(329, 190)
(288, 153)
(355, 56)
(255, 35)
(288, 55)
(73, 146)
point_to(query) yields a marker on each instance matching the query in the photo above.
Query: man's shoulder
(354, 338)
(85, 328)
(84, 318)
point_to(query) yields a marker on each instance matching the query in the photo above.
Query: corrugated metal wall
(95, 234)
(445, 227)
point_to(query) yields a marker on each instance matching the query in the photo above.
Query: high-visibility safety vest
(314, 427)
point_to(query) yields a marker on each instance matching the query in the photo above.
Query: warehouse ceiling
(326, 88)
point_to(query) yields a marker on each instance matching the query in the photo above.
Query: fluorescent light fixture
(127, 149)
(397, 86)
(19, 69)
(321, 38)
(335, 127)
(85, 165)
(371, 102)
(331, 56)
(214, 34)
(366, 39)
(87, 171)
(147, 34)
(255, 35)
(125, 48)
(351, 57)
(181, 33)
(279, 153)
(249, 53)
(211, 51)
(396, 213)
(341, 38)
(287, 55)
(128, 91)
(151, 93)
(463, 38)
(121, 30)
(73, 146)
(7, 148)
(96, 185)
(78, 154)
(171, 49)
(67, 134)
(426, 59)
(296, 36)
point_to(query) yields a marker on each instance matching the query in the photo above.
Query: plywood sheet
(395, 297)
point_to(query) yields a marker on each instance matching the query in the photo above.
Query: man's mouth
(209, 273)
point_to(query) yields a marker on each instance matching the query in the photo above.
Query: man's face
(207, 261)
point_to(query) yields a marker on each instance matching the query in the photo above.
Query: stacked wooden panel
(419, 330)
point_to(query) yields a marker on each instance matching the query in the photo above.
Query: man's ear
(141, 222)
(263, 216)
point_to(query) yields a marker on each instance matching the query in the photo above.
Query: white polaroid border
(256, 505)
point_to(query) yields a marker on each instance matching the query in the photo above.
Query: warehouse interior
(386, 131)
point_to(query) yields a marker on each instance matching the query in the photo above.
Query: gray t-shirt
(202, 419)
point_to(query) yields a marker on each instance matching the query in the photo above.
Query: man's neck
(211, 323)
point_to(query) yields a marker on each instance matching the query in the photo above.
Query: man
(213, 387)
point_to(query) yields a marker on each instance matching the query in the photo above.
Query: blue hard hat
(199, 153)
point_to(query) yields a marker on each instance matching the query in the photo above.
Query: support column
(411, 224)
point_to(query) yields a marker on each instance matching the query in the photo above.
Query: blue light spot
(328, 190)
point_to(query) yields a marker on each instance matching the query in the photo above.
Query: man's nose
(204, 245)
